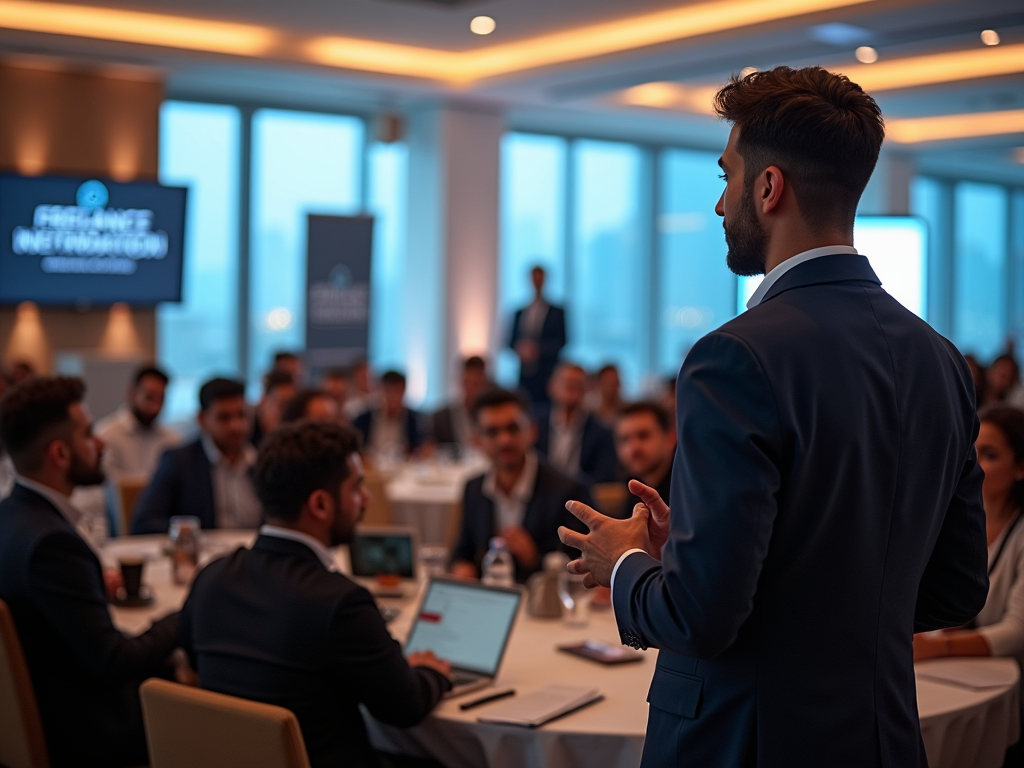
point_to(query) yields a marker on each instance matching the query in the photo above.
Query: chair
(128, 492)
(21, 732)
(192, 728)
(609, 497)
(378, 511)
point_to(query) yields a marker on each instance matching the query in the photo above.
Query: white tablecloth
(962, 727)
(427, 496)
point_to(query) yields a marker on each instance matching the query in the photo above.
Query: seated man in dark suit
(521, 499)
(453, 424)
(279, 624)
(572, 439)
(645, 440)
(84, 671)
(390, 430)
(211, 477)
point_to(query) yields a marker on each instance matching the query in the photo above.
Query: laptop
(467, 624)
(383, 552)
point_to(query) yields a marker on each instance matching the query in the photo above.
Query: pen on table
(487, 699)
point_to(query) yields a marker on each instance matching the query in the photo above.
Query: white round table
(963, 725)
(427, 496)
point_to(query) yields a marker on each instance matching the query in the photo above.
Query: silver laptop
(467, 624)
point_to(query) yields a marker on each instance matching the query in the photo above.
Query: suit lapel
(836, 268)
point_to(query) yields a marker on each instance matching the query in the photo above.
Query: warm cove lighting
(135, 27)
(944, 127)
(938, 68)
(457, 67)
(662, 95)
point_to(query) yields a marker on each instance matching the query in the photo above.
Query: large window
(696, 292)
(302, 163)
(979, 299)
(198, 338)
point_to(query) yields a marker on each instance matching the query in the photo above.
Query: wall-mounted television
(90, 242)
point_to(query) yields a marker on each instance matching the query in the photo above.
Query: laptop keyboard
(464, 678)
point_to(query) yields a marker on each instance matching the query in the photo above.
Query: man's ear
(59, 454)
(773, 186)
(320, 505)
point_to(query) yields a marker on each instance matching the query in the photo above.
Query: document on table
(966, 673)
(542, 706)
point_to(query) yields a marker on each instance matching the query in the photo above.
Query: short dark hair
(284, 355)
(492, 398)
(219, 389)
(822, 130)
(337, 373)
(647, 406)
(1009, 421)
(297, 459)
(606, 369)
(275, 378)
(150, 370)
(474, 363)
(295, 410)
(34, 413)
(392, 379)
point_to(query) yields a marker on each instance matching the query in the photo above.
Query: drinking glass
(433, 562)
(575, 599)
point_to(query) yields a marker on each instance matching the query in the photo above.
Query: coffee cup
(131, 575)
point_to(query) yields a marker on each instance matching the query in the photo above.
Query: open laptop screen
(374, 553)
(466, 624)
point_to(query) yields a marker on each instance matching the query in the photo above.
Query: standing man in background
(826, 495)
(538, 336)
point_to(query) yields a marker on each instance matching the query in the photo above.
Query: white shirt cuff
(618, 562)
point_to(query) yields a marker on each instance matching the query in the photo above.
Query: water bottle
(498, 568)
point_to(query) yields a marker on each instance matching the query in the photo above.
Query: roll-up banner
(338, 253)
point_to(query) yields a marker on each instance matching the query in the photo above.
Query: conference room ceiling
(585, 90)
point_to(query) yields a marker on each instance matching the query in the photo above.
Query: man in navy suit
(391, 429)
(85, 672)
(825, 497)
(538, 335)
(211, 477)
(571, 438)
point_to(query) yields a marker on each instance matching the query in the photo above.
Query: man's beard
(81, 473)
(746, 239)
(143, 418)
(341, 531)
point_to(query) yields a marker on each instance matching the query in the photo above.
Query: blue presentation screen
(66, 241)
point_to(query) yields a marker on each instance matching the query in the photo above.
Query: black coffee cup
(131, 575)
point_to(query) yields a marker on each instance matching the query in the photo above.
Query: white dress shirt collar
(216, 458)
(323, 553)
(67, 510)
(794, 261)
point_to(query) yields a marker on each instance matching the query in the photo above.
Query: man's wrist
(620, 561)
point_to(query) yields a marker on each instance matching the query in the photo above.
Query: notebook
(543, 706)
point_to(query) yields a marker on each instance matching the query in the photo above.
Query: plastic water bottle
(498, 568)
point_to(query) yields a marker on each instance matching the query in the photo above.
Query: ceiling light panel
(955, 66)
(946, 127)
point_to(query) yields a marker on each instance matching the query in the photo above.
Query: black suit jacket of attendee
(442, 426)
(413, 434)
(825, 505)
(272, 624)
(533, 378)
(663, 488)
(181, 485)
(85, 672)
(599, 463)
(545, 512)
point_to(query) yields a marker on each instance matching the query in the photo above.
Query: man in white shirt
(453, 424)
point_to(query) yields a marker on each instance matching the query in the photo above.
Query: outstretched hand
(657, 523)
(607, 541)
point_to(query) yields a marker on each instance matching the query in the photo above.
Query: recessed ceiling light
(990, 37)
(482, 25)
(747, 71)
(866, 54)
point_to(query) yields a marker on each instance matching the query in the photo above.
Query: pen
(486, 699)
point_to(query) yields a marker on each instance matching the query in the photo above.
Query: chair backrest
(192, 728)
(128, 492)
(378, 511)
(21, 732)
(609, 497)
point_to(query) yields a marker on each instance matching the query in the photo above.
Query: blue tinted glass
(610, 278)
(926, 203)
(696, 292)
(979, 299)
(388, 173)
(533, 196)
(199, 148)
(1017, 260)
(301, 163)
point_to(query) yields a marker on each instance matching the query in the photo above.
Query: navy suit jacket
(826, 504)
(413, 434)
(85, 672)
(534, 377)
(181, 485)
(545, 512)
(599, 463)
(272, 624)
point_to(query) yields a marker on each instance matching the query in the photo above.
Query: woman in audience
(1002, 383)
(999, 628)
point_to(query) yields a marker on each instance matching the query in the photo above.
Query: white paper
(539, 707)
